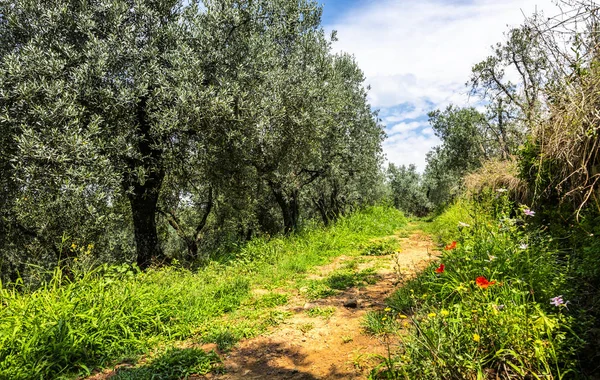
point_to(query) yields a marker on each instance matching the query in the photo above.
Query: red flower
(483, 282)
(450, 246)
(440, 269)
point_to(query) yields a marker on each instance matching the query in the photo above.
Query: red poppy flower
(450, 246)
(440, 269)
(483, 282)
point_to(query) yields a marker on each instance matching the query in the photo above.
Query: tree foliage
(408, 190)
(173, 126)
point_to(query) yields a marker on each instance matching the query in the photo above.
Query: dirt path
(306, 347)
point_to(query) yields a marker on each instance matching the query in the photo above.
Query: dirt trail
(335, 348)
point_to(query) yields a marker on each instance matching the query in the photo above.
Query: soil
(336, 347)
(307, 347)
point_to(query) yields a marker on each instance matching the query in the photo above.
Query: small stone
(351, 303)
(309, 305)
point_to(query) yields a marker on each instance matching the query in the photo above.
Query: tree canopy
(169, 126)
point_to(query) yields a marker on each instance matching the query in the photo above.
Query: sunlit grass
(68, 327)
(487, 311)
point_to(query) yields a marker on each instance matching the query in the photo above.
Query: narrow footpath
(336, 346)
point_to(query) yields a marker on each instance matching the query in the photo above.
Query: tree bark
(143, 193)
(322, 207)
(144, 200)
(290, 208)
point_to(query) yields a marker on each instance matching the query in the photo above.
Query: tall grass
(487, 313)
(69, 327)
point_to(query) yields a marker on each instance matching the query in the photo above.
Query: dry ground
(306, 347)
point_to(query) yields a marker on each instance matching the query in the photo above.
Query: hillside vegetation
(163, 161)
(514, 190)
(71, 326)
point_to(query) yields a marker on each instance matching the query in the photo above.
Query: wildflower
(387, 309)
(440, 269)
(451, 246)
(476, 338)
(502, 190)
(529, 212)
(431, 315)
(384, 318)
(483, 282)
(462, 224)
(402, 316)
(524, 246)
(558, 301)
(444, 313)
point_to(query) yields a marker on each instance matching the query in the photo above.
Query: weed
(381, 248)
(316, 289)
(174, 364)
(345, 279)
(272, 300)
(324, 312)
(306, 327)
(277, 317)
(380, 322)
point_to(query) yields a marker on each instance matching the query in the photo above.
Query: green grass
(381, 322)
(344, 279)
(323, 312)
(173, 364)
(460, 328)
(66, 328)
(381, 248)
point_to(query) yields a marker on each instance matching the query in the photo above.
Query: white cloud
(405, 127)
(421, 52)
(408, 148)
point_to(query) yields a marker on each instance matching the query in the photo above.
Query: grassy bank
(72, 326)
(496, 305)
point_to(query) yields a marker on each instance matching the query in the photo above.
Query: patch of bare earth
(307, 347)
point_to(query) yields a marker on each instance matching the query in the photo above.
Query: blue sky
(417, 56)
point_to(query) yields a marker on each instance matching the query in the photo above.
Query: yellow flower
(388, 309)
(445, 313)
(476, 338)
(402, 316)
(431, 315)
(384, 318)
